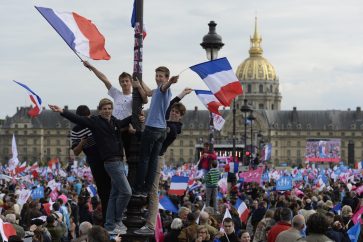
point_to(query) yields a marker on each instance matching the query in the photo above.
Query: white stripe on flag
(220, 79)
(81, 42)
(178, 186)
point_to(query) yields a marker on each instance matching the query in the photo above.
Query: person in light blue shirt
(155, 130)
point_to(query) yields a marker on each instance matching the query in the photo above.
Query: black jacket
(107, 134)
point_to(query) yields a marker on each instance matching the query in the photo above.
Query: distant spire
(256, 49)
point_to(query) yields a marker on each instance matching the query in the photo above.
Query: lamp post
(251, 118)
(245, 109)
(212, 43)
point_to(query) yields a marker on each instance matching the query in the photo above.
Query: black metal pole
(245, 138)
(234, 131)
(251, 147)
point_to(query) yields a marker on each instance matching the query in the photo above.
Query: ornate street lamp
(212, 43)
(245, 109)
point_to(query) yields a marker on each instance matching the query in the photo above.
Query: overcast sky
(316, 47)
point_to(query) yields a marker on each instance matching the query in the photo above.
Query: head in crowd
(125, 80)
(228, 225)
(214, 164)
(203, 218)
(177, 111)
(83, 110)
(202, 232)
(347, 211)
(84, 227)
(11, 218)
(183, 213)
(105, 107)
(269, 213)
(286, 215)
(97, 234)
(298, 222)
(192, 217)
(317, 224)
(245, 236)
(162, 74)
(176, 224)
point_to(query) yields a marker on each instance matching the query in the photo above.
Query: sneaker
(145, 230)
(116, 231)
(120, 226)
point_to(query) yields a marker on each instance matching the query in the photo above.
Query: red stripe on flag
(96, 39)
(228, 93)
(176, 192)
(213, 107)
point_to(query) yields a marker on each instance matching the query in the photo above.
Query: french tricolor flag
(209, 100)
(166, 204)
(178, 185)
(220, 79)
(80, 34)
(35, 99)
(243, 211)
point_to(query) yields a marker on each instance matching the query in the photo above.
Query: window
(288, 152)
(25, 150)
(272, 106)
(181, 143)
(171, 152)
(276, 152)
(260, 88)
(59, 151)
(25, 126)
(260, 106)
(58, 142)
(181, 152)
(249, 88)
(34, 151)
(298, 144)
(298, 154)
(276, 143)
(191, 143)
(190, 152)
(288, 143)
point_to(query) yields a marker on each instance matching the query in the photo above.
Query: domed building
(258, 78)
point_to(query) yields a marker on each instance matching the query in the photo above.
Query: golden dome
(256, 67)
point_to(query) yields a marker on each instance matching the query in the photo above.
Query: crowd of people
(240, 211)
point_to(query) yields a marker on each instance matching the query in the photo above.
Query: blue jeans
(120, 193)
(151, 142)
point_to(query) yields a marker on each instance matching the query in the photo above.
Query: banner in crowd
(252, 175)
(284, 183)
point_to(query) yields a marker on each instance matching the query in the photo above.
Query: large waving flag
(243, 211)
(178, 185)
(35, 99)
(209, 100)
(80, 34)
(133, 21)
(220, 78)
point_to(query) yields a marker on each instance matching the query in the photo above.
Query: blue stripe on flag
(168, 204)
(30, 90)
(207, 68)
(58, 25)
(179, 179)
(203, 92)
(133, 16)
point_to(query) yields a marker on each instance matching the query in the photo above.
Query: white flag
(13, 162)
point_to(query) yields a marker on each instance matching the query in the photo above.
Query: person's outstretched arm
(177, 99)
(147, 90)
(99, 74)
(172, 80)
(74, 118)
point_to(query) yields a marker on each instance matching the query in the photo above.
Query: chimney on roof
(358, 114)
(294, 117)
(348, 109)
(195, 108)
(17, 109)
(66, 107)
(43, 108)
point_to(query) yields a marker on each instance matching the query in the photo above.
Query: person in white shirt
(122, 100)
